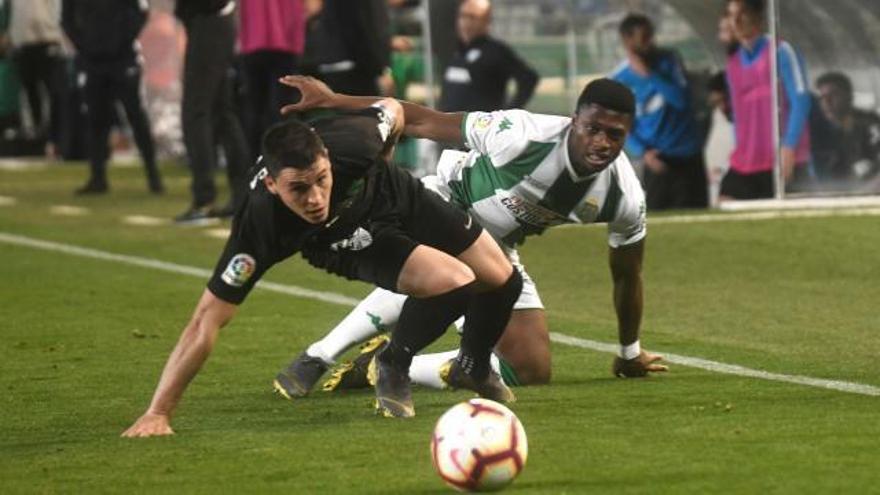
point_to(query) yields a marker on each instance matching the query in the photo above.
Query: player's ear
(270, 184)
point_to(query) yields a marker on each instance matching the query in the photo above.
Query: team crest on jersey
(483, 122)
(587, 211)
(239, 270)
(359, 239)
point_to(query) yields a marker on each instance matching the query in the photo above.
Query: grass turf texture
(83, 342)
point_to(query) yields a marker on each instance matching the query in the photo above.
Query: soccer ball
(479, 445)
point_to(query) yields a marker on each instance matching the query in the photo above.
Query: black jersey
(477, 76)
(265, 232)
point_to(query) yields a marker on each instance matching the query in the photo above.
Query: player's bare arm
(421, 121)
(626, 271)
(192, 350)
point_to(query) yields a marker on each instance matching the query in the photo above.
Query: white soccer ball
(479, 445)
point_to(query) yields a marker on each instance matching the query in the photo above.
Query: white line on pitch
(748, 216)
(68, 210)
(7, 201)
(731, 369)
(166, 266)
(145, 220)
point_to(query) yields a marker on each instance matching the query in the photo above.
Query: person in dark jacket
(351, 45)
(104, 33)
(207, 108)
(477, 76)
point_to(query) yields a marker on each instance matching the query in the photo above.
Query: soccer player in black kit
(328, 193)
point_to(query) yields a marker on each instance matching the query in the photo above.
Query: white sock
(377, 313)
(425, 368)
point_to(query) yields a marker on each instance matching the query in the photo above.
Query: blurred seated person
(848, 152)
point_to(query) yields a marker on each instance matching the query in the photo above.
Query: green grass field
(84, 339)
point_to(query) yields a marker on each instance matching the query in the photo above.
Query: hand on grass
(639, 366)
(149, 425)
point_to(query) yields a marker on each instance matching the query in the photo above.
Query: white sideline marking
(7, 201)
(145, 221)
(168, 267)
(730, 369)
(68, 210)
(766, 215)
(13, 164)
(218, 233)
(746, 217)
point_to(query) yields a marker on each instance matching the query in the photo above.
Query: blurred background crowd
(195, 81)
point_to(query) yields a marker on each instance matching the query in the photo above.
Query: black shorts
(760, 185)
(404, 215)
(751, 186)
(682, 185)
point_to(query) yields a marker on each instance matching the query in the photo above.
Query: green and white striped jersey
(517, 180)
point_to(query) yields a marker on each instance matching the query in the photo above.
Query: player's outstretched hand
(315, 94)
(638, 366)
(149, 425)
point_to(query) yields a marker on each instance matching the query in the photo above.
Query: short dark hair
(633, 21)
(608, 94)
(838, 79)
(290, 144)
(754, 6)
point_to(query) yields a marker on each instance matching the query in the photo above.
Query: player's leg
(521, 357)
(130, 86)
(524, 349)
(376, 314)
(99, 103)
(441, 288)
(489, 311)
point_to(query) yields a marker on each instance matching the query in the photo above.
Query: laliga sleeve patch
(239, 270)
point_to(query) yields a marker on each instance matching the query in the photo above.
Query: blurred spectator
(849, 150)
(444, 41)
(477, 76)
(271, 41)
(726, 36)
(406, 67)
(104, 33)
(719, 141)
(9, 86)
(35, 34)
(207, 108)
(664, 133)
(349, 44)
(749, 79)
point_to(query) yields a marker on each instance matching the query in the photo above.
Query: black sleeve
(354, 140)
(525, 76)
(69, 24)
(240, 266)
(135, 20)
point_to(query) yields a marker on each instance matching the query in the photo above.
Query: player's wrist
(630, 351)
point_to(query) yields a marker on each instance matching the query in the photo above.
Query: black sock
(486, 319)
(422, 321)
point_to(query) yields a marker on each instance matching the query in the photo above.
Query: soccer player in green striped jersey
(524, 172)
